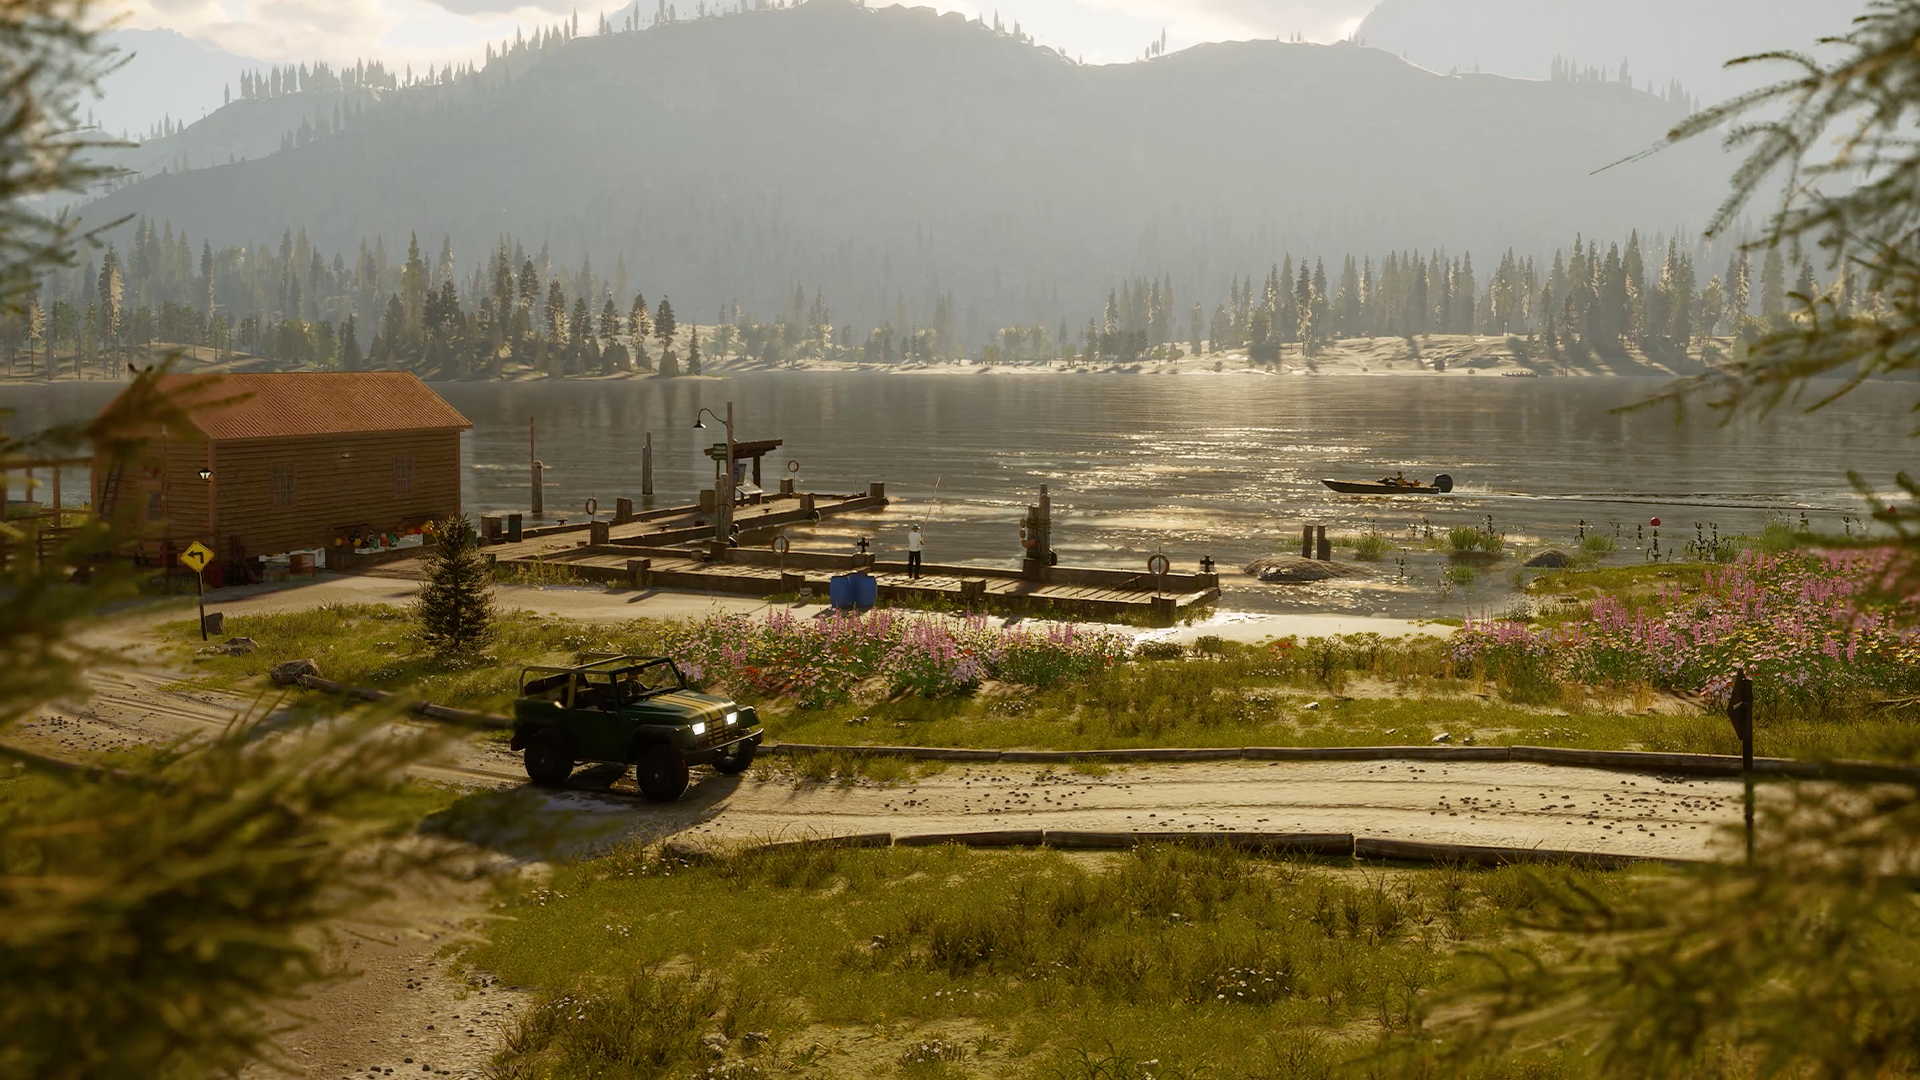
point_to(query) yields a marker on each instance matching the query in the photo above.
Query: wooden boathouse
(264, 464)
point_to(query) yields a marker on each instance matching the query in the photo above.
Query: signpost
(1740, 711)
(196, 558)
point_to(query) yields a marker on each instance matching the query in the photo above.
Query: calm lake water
(1224, 466)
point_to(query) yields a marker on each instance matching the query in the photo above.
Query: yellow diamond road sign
(196, 557)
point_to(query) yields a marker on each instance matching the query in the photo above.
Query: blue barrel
(840, 590)
(866, 591)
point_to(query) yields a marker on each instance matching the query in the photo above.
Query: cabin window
(283, 485)
(403, 474)
(156, 506)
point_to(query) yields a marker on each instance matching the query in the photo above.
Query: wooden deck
(683, 525)
(1073, 591)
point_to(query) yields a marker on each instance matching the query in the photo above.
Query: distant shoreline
(1455, 355)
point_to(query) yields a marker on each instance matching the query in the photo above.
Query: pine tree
(414, 284)
(556, 313)
(664, 327)
(639, 329)
(349, 346)
(1773, 285)
(693, 352)
(1739, 291)
(455, 608)
(609, 321)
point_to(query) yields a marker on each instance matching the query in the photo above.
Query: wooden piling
(1322, 544)
(1306, 541)
(646, 466)
(533, 453)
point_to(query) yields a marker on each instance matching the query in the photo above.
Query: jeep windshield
(607, 684)
(643, 680)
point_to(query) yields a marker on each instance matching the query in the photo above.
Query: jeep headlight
(700, 728)
(733, 718)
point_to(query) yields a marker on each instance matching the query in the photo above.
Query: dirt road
(1499, 804)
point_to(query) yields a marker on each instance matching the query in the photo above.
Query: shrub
(1465, 540)
(1371, 546)
(1805, 626)
(820, 661)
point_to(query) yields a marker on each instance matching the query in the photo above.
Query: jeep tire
(661, 774)
(735, 761)
(547, 761)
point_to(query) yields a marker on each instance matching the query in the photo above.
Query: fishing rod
(934, 502)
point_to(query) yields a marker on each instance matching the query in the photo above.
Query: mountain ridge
(894, 153)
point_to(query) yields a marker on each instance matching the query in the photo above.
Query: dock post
(1037, 538)
(1321, 542)
(599, 533)
(973, 594)
(638, 573)
(622, 511)
(646, 466)
(539, 500)
(1164, 610)
(1306, 541)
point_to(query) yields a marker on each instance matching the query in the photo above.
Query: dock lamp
(723, 513)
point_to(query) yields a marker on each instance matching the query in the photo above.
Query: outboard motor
(1443, 483)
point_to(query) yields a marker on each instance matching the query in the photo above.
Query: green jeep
(633, 710)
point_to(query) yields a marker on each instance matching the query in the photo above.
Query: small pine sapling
(455, 608)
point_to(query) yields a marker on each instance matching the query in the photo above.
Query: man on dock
(914, 541)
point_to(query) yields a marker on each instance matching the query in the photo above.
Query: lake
(1227, 466)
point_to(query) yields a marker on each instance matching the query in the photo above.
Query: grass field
(1360, 690)
(1165, 962)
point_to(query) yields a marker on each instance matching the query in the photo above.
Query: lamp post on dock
(723, 513)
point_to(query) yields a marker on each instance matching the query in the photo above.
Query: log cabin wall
(297, 460)
(277, 495)
(161, 487)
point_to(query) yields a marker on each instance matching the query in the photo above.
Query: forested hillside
(1589, 306)
(1649, 41)
(895, 159)
(166, 78)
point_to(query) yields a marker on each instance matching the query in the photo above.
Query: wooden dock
(677, 525)
(1078, 591)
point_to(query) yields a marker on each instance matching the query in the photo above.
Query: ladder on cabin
(109, 490)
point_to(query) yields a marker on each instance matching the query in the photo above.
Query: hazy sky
(421, 31)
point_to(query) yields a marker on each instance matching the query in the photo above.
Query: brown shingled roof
(289, 404)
